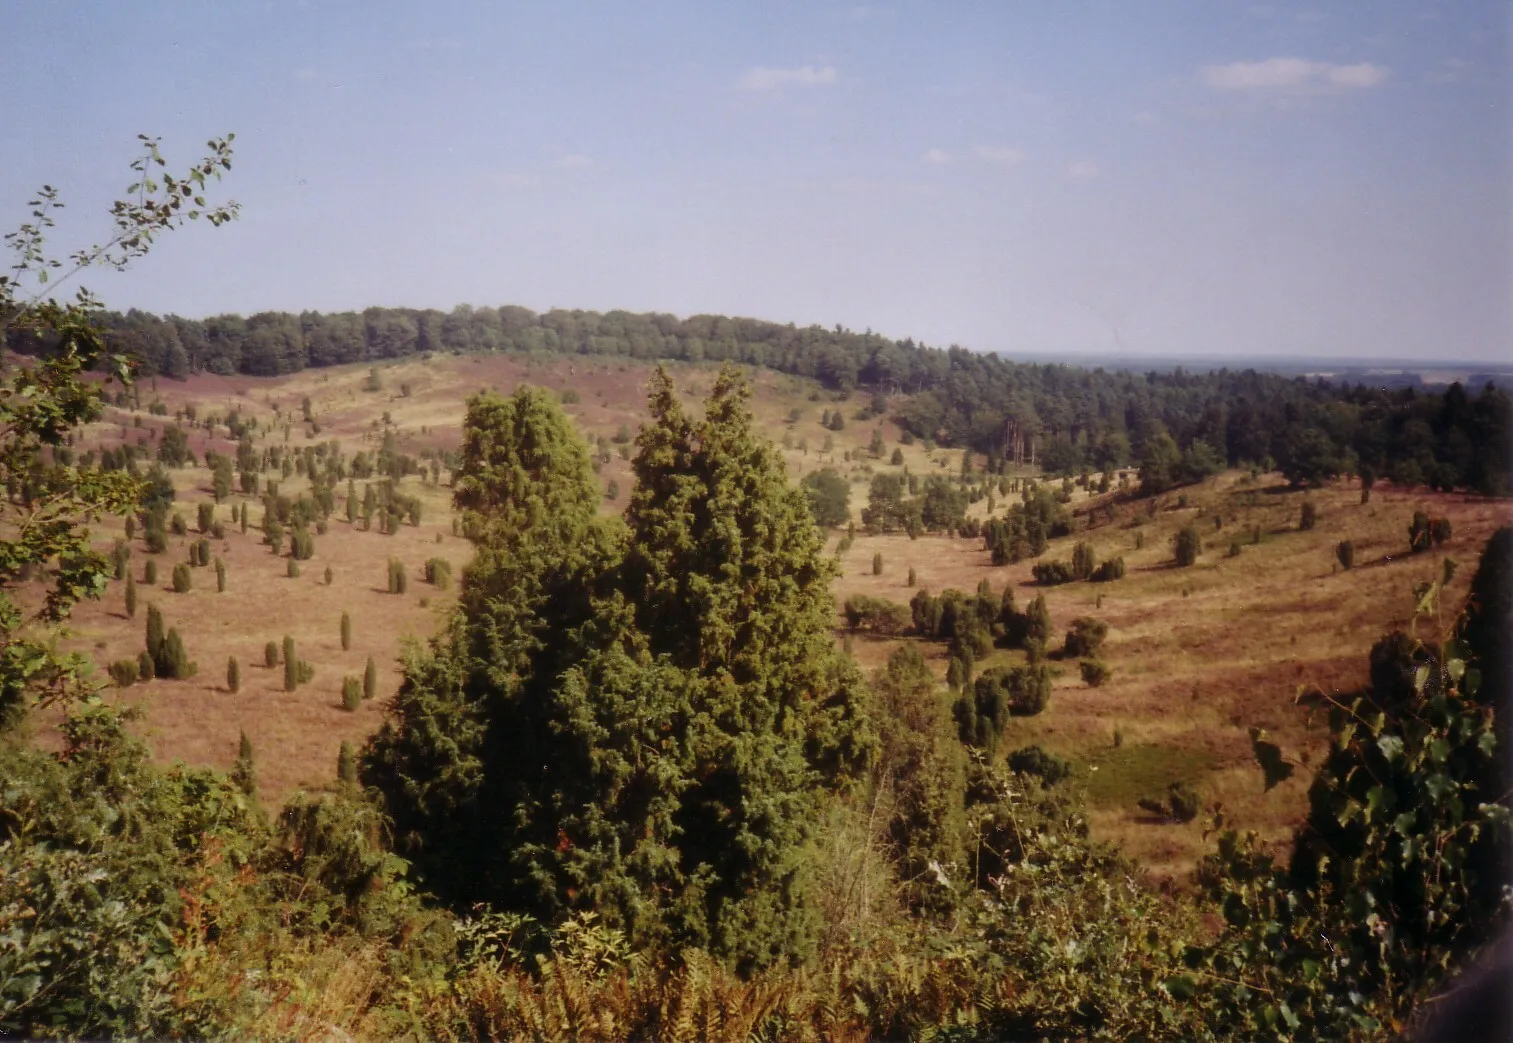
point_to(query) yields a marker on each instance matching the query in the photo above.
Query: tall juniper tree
(633, 719)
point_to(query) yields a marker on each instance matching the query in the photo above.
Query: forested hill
(1071, 418)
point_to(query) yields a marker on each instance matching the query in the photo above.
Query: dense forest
(1066, 419)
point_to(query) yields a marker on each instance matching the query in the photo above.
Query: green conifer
(346, 632)
(244, 772)
(704, 621)
(155, 632)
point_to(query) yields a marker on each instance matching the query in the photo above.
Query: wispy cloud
(768, 78)
(999, 155)
(938, 157)
(573, 160)
(1283, 74)
(1082, 170)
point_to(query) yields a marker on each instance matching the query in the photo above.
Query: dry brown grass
(1199, 655)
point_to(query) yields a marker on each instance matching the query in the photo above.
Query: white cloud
(766, 78)
(1363, 75)
(937, 157)
(573, 160)
(1082, 170)
(1000, 155)
(1290, 74)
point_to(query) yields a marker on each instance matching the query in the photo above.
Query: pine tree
(220, 576)
(270, 654)
(877, 563)
(351, 693)
(244, 772)
(346, 765)
(370, 680)
(233, 675)
(150, 573)
(291, 665)
(131, 597)
(346, 632)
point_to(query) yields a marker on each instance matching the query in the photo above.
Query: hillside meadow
(1199, 655)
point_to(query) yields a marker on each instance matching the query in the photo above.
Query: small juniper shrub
(438, 573)
(1094, 672)
(124, 672)
(1345, 552)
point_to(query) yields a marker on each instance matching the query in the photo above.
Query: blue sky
(1153, 178)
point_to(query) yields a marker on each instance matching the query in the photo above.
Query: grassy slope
(1200, 655)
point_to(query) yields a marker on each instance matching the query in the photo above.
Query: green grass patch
(1127, 773)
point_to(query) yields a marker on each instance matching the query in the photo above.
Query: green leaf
(1439, 786)
(1180, 987)
(1391, 747)
(1497, 813)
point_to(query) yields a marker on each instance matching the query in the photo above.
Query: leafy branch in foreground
(42, 535)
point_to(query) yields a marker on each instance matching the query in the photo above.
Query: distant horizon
(1084, 357)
